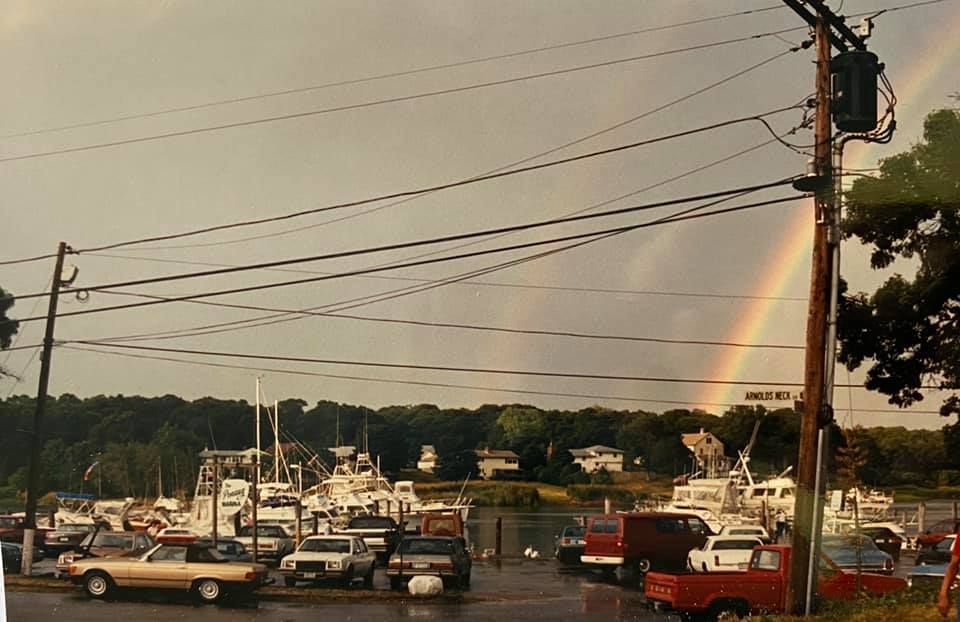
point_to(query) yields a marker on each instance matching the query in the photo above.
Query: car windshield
(847, 543)
(75, 528)
(427, 546)
(326, 546)
(264, 532)
(574, 532)
(371, 522)
(8, 522)
(205, 555)
(109, 540)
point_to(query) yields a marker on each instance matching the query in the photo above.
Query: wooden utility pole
(36, 441)
(814, 362)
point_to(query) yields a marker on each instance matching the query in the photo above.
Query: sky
(80, 64)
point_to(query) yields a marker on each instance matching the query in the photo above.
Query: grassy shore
(919, 493)
(913, 605)
(528, 494)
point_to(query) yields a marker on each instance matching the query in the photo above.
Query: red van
(643, 540)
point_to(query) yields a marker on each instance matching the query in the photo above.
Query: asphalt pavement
(512, 590)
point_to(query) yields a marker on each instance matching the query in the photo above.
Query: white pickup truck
(273, 542)
(722, 553)
(343, 558)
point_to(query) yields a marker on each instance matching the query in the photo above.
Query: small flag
(86, 474)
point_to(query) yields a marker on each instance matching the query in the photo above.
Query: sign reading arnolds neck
(774, 396)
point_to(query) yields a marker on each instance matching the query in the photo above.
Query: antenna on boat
(276, 440)
(338, 425)
(258, 423)
(366, 431)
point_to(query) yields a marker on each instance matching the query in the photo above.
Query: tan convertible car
(197, 568)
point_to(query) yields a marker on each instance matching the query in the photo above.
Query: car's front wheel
(368, 579)
(97, 584)
(208, 590)
(289, 581)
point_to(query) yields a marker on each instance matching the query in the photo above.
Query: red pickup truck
(759, 590)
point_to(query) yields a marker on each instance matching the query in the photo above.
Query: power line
(383, 76)
(473, 327)
(377, 102)
(396, 74)
(432, 241)
(439, 384)
(278, 318)
(446, 186)
(591, 290)
(352, 273)
(447, 368)
(426, 192)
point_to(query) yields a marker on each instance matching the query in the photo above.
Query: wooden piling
(498, 546)
(921, 517)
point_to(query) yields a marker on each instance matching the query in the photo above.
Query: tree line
(134, 439)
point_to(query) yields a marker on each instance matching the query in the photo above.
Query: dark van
(643, 540)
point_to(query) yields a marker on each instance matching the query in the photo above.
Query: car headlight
(65, 558)
(335, 564)
(287, 563)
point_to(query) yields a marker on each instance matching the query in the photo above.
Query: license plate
(64, 539)
(309, 575)
(421, 565)
(742, 565)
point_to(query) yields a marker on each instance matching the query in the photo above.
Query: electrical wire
(491, 175)
(430, 241)
(461, 326)
(449, 368)
(559, 288)
(427, 261)
(383, 76)
(431, 384)
(279, 318)
(372, 103)
(424, 192)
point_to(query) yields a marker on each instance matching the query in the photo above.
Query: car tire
(643, 565)
(290, 581)
(465, 580)
(395, 583)
(347, 577)
(208, 590)
(368, 578)
(97, 584)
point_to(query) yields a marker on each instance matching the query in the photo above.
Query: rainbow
(793, 255)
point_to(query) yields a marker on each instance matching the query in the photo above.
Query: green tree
(8, 327)
(458, 465)
(908, 329)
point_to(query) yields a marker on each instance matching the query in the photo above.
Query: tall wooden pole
(814, 362)
(36, 441)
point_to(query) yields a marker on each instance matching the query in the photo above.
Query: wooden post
(498, 543)
(606, 505)
(799, 589)
(299, 524)
(316, 523)
(921, 517)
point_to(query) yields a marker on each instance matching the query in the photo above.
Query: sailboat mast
(258, 421)
(276, 439)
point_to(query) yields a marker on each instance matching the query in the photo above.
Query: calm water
(522, 527)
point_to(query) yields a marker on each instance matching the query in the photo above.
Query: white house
(592, 459)
(707, 453)
(490, 461)
(428, 459)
